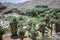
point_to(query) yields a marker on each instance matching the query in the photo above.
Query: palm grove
(42, 15)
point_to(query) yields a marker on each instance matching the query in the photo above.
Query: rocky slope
(32, 3)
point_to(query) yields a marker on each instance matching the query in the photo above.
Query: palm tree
(30, 23)
(34, 33)
(14, 26)
(47, 18)
(42, 27)
(57, 25)
(52, 21)
(21, 32)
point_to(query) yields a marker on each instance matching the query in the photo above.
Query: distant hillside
(4, 9)
(32, 3)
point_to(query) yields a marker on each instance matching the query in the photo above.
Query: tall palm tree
(42, 27)
(52, 21)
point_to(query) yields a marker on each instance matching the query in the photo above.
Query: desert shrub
(1, 17)
(46, 38)
(7, 30)
(15, 10)
(9, 18)
(41, 6)
(22, 12)
(20, 18)
(1, 31)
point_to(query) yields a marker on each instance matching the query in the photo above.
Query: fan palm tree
(42, 27)
(34, 33)
(52, 21)
(14, 25)
(22, 32)
(57, 25)
(46, 18)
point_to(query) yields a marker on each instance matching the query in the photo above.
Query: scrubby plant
(9, 18)
(2, 17)
(20, 18)
(41, 6)
(15, 10)
(1, 32)
(7, 30)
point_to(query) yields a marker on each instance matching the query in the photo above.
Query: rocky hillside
(32, 3)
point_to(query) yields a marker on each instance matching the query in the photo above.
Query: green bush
(15, 10)
(22, 31)
(34, 32)
(22, 12)
(9, 18)
(20, 18)
(2, 17)
(46, 38)
(7, 30)
(42, 24)
(1, 31)
(41, 6)
(14, 20)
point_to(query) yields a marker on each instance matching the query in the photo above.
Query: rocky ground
(8, 37)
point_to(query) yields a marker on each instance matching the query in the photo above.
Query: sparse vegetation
(42, 15)
(1, 32)
(14, 26)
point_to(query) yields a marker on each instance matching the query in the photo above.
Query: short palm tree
(34, 33)
(30, 23)
(52, 21)
(14, 25)
(46, 18)
(21, 32)
(42, 27)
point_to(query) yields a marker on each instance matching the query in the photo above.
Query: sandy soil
(7, 37)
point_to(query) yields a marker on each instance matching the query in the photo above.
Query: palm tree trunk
(43, 31)
(34, 37)
(14, 29)
(0, 37)
(51, 31)
(21, 38)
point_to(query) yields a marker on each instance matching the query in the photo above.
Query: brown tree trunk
(51, 31)
(57, 26)
(43, 31)
(14, 29)
(0, 37)
(33, 37)
(21, 38)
